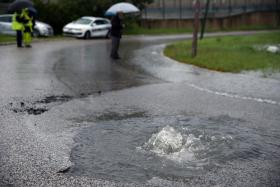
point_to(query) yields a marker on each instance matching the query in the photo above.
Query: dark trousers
(19, 38)
(115, 47)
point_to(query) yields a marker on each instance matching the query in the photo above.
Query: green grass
(6, 38)
(160, 31)
(245, 28)
(229, 54)
(134, 29)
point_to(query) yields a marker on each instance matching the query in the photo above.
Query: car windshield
(83, 21)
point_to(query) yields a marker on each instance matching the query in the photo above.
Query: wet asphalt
(51, 92)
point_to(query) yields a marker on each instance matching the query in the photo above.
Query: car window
(106, 21)
(100, 22)
(83, 21)
(6, 19)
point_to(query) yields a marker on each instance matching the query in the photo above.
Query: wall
(248, 19)
(183, 9)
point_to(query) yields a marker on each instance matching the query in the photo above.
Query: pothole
(38, 107)
(54, 99)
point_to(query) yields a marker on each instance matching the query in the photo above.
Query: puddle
(137, 148)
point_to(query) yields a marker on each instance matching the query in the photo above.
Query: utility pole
(203, 23)
(278, 9)
(180, 8)
(196, 7)
(229, 7)
(163, 9)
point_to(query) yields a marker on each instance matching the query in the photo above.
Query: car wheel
(108, 35)
(87, 35)
(36, 33)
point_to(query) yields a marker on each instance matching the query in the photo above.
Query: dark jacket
(116, 30)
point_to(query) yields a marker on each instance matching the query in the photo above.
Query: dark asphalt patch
(30, 111)
(117, 116)
(54, 99)
(42, 106)
(39, 107)
(65, 170)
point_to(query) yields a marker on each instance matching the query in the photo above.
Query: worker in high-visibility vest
(27, 27)
(17, 25)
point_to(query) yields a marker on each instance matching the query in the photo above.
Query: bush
(65, 11)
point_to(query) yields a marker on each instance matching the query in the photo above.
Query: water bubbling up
(167, 141)
(183, 146)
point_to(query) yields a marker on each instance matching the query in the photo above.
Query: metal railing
(183, 9)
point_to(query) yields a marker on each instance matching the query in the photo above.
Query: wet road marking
(225, 94)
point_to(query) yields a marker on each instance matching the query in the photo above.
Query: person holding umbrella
(117, 11)
(20, 20)
(28, 27)
(17, 25)
(116, 34)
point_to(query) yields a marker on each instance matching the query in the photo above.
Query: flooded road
(70, 116)
(96, 71)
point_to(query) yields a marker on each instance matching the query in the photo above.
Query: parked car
(40, 29)
(88, 27)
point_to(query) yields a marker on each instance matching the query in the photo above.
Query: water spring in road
(139, 149)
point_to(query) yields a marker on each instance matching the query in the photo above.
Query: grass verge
(134, 29)
(160, 31)
(6, 38)
(230, 53)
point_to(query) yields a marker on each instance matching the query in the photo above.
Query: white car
(88, 27)
(40, 28)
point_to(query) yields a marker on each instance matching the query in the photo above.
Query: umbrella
(32, 11)
(18, 5)
(122, 7)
